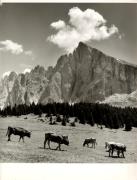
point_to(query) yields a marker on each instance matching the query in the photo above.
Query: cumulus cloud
(6, 74)
(11, 46)
(58, 25)
(28, 53)
(14, 48)
(27, 70)
(1, 3)
(82, 26)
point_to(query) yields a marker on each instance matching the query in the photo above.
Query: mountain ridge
(86, 75)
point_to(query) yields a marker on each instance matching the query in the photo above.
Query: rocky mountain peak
(12, 76)
(82, 45)
(38, 69)
(85, 75)
(61, 61)
(49, 72)
(89, 75)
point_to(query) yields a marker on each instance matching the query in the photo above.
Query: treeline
(91, 113)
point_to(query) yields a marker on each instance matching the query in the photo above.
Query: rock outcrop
(6, 85)
(27, 88)
(122, 100)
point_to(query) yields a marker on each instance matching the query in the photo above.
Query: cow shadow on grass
(90, 147)
(14, 141)
(53, 149)
(115, 157)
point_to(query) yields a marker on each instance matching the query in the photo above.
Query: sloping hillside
(122, 100)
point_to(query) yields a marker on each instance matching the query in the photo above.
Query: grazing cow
(117, 147)
(17, 131)
(107, 144)
(59, 139)
(90, 141)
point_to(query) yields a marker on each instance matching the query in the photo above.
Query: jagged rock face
(36, 81)
(6, 85)
(52, 92)
(86, 75)
(89, 75)
(49, 72)
(27, 88)
(16, 95)
(99, 76)
(122, 100)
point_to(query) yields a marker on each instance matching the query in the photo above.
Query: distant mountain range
(87, 75)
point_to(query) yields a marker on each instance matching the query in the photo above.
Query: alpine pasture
(32, 150)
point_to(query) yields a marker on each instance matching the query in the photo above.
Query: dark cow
(59, 139)
(90, 141)
(17, 131)
(117, 147)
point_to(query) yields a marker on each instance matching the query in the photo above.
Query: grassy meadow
(32, 150)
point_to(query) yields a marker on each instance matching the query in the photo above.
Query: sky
(39, 33)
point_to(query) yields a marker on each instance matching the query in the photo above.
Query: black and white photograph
(68, 83)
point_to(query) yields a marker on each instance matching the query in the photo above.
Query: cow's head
(125, 148)
(65, 140)
(85, 142)
(28, 134)
(106, 145)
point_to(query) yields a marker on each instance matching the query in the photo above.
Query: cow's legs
(23, 138)
(49, 144)
(45, 143)
(118, 152)
(87, 145)
(59, 146)
(112, 152)
(9, 138)
(19, 138)
(109, 152)
(123, 154)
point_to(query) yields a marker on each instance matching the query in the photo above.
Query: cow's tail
(8, 131)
